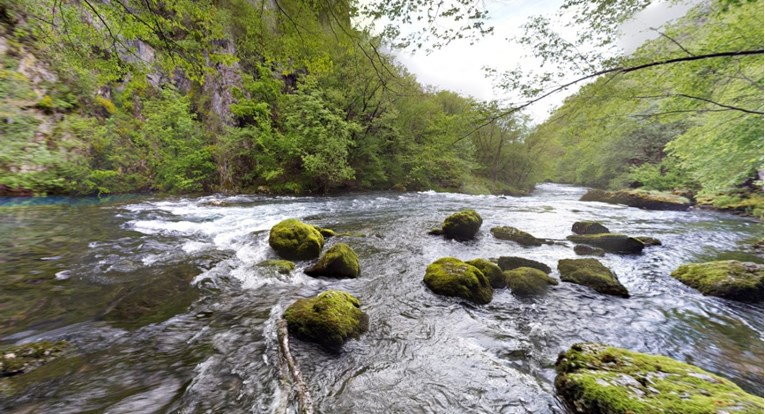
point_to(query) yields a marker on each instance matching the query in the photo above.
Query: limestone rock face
(598, 379)
(462, 226)
(526, 281)
(340, 261)
(591, 273)
(610, 242)
(730, 279)
(330, 319)
(648, 200)
(295, 240)
(588, 227)
(452, 277)
(516, 235)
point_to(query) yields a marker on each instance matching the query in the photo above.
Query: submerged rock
(516, 235)
(437, 231)
(330, 319)
(281, 266)
(339, 261)
(585, 250)
(452, 277)
(327, 233)
(295, 240)
(649, 241)
(588, 227)
(491, 271)
(19, 359)
(514, 262)
(462, 226)
(610, 242)
(598, 379)
(528, 281)
(730, 279)
(649, 200)
(591, 273)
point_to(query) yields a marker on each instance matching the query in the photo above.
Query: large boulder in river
(514, 262)
(588, 227)
(452, 277)
(591, 273)
(340, 261)
(730, 279)
(491, 271)
(599, 379)
(294, 240)
(330, 319)
(610, 242)
(649, 200)
(524, 281)
(462, 226)
(516, 235)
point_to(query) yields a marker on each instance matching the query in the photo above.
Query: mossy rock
(516, 235)
(730, 279)
(585, 250)
(462, 226)
(599, 379)
(491, 271)
(339, 261)
(591, 273)
(19, 359)
(610, 242)
(588, 227)
(452, 277)
(649, 241)
(294, 240)
(514, 262)
(649, 200)
(526, 281)
(436, 231)
(281, 266)
(329, 319)
(327, 233)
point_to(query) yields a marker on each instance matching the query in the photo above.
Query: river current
(166, 310)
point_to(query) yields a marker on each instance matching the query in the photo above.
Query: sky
(459, 66)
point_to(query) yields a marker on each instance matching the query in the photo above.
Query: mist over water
(167, 311)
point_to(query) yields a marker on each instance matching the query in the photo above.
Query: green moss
(452, 277)
(463, 225)
(339, 261)
(281, 266)
(295, 240)
(19, 359)
(649, 200)
(610, 242)
(528, 281)
(729, 279)
(585, 250)
(330, 319)
(327, 233)
(516, 235)
(591, 273)
(514, 262)
(588, 227)
(598, 379)
(491, 271)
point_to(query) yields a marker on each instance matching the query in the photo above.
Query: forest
(291, 97)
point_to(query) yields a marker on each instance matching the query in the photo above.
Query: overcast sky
(458, 66)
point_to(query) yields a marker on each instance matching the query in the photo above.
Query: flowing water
(166, 310)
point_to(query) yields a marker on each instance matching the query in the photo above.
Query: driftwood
(304, 397)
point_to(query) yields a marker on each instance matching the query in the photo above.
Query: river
(166, 311)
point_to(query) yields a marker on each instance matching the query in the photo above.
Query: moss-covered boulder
(588, 227)
(452, 277)
(514, 262)
(610, 242)
(599, 379)
(516, 235)
(591, 273)
(649, 200)
(649, 241)
(294, 240)
(339, 261)
(19, 359)
(526, 281)
(585, 250)
(281, 266)
(330, 319)
(491, 271)
(462, 226)
(730, 279)
(327, 233)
